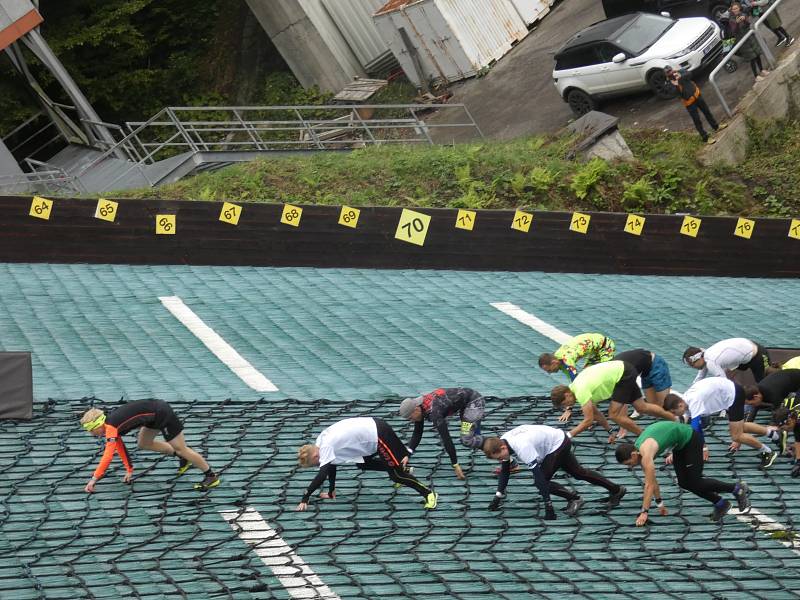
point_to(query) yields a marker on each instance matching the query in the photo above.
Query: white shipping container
(531, 11)
(454, 39)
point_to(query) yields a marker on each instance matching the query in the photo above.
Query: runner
(593, 347)
(614, 380)
(656, 379)
(369, 443)
(786, 419)
(710, 396)
(687, 451)
(721, 359)
(545, 450)
(436, 407)
(152, 417)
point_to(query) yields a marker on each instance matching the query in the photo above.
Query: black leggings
(397, 474)
(688, 462)
(756, 66)
(781, 33)
(564, 459)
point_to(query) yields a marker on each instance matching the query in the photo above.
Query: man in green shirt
(615, 380)
(687, 458)
(593, 347)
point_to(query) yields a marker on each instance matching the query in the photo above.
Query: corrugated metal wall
(333, 38)
(532, 10)
(454, 39)
(354, 20)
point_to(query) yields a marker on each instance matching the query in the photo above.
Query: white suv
(628, 53)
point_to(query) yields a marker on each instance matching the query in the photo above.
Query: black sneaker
(790, 42)
(574, 506)
(183, 465)
(720, 511)
(781, 42)
(209, 481)
(742, 497)
(767, 458)
(614, 499)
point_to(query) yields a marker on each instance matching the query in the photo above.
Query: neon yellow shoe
(211, 480)
(183, 466)
(431, 500)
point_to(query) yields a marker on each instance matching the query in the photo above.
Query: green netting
(161, 538)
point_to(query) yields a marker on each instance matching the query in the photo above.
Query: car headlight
(679, 54)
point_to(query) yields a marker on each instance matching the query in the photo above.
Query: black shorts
(390, 448)
(627, 391)
(736, 410)
(167, 422)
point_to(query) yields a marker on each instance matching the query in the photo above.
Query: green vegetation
(531, 174)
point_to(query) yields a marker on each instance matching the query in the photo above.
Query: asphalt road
(517, 96)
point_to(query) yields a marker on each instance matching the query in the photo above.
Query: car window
(607, 51)
(642, 33)
(579, 57)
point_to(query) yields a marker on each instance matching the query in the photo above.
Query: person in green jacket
(592, 347)
(687, 458)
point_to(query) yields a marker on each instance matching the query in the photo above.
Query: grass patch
(530, 173)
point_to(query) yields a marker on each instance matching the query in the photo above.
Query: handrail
(759, 39)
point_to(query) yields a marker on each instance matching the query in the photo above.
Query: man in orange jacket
(152, 416)
(689, 93)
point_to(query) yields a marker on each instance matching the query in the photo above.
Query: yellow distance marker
(579, 222)
(744, 228)
(690, 226)
(230, 213)
(794, 229)
(522, 221)
(634, 224)
(41, 208)
(349, 217)
(165, 225)
(466, 219)
(106, 210)
(291, 215)
(412, 227)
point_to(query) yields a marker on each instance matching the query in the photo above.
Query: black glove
(495, 503)
(796, 470)
(549, 512)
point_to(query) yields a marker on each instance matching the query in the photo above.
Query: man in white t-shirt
(545, 450)
(710, 396)
(367, 442)
(726, 356)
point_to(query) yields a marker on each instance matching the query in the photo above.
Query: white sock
(764, 449)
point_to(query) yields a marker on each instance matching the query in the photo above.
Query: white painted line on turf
(515, 312)
(761, 522)
(221, 349)
(291, 570)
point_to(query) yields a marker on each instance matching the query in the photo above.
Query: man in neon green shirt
(614, 380)
(593, 347)
(687, 457)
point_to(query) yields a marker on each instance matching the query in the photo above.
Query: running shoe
(614, 499)
(183, 465)
(209, 481)
(574, 506)
(767, 458)
(720, 511)
(431, 500)
(742, 497)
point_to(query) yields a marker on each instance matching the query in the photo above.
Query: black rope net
(161, 538)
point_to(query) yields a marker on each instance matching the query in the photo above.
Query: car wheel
(580, 102)
(717, 11)
(659, 84)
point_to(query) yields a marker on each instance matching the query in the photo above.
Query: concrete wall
(776, 97)
(309, 42)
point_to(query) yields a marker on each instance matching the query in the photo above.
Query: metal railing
(32, 136)
(54, 181)
(753, 31)
(255, 129)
